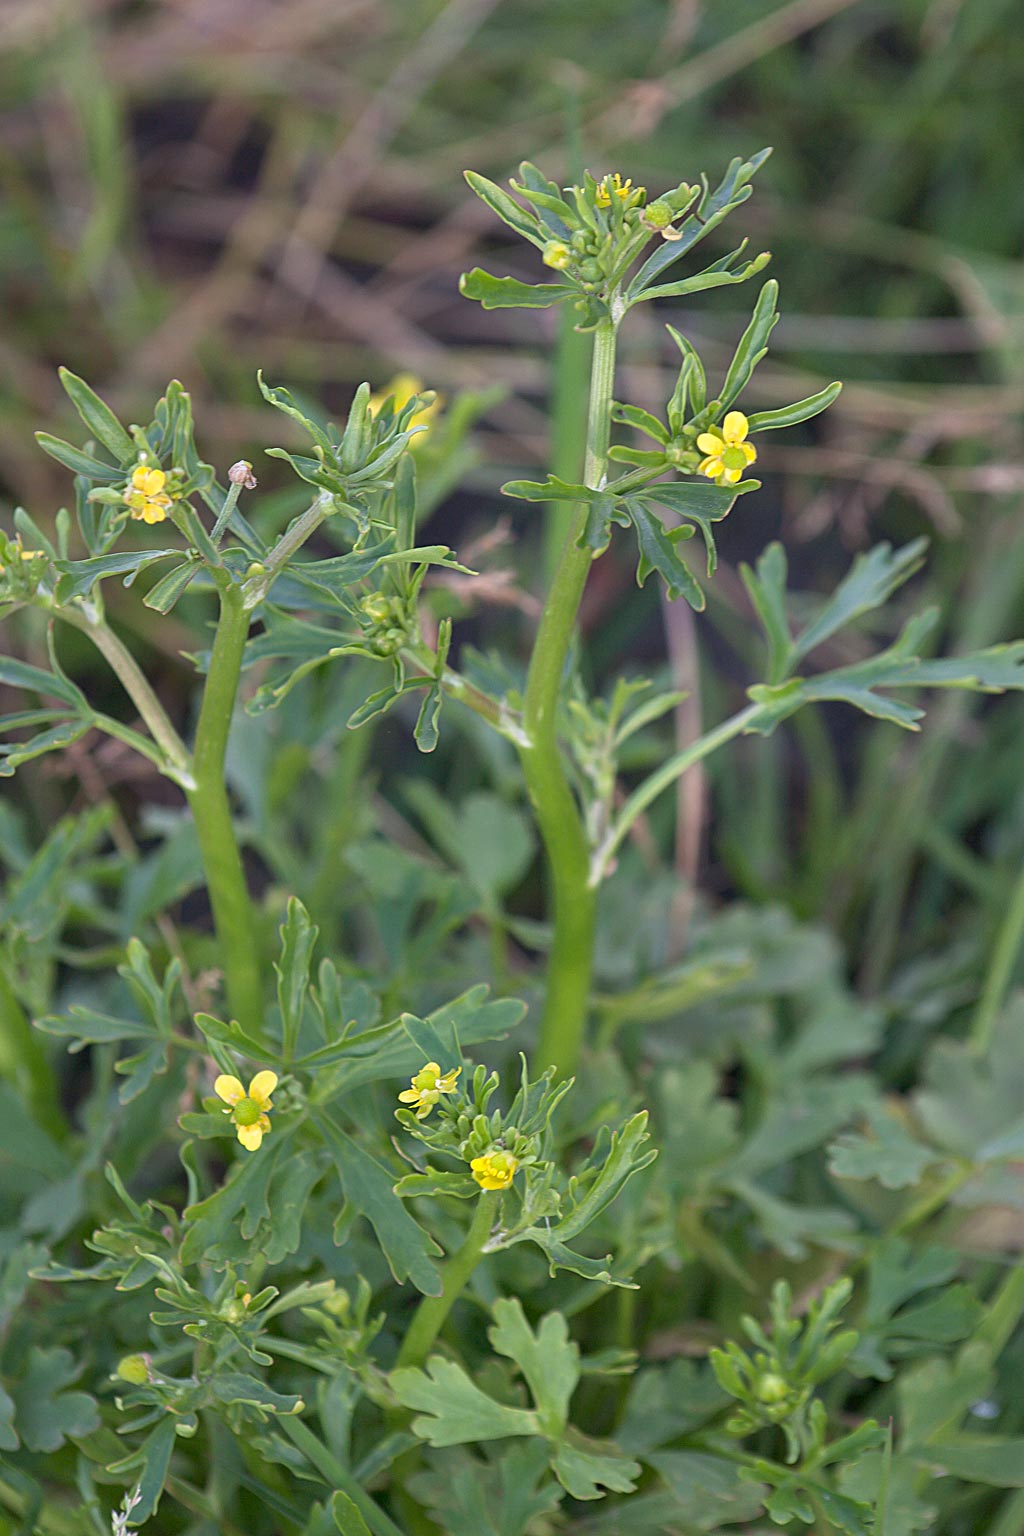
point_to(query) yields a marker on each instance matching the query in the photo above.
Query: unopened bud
(772, 1388)
(241, 474)
(556, 254)
(134, 1368)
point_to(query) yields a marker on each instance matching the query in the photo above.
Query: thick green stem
(558, 815)
(233, 916)
(433, 1310)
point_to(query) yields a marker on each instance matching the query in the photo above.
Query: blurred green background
(202, 187)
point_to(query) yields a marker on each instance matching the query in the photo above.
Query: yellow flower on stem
(495, 1170)
(727, 452)
(403, 386)
(621, 189)
(427, 1087)
(146, 496)
(248, 1110)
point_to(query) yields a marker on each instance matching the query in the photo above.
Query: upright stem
(1000, 971)
(225, 877)
(558, 816)
(433, 1310)
(133, 680)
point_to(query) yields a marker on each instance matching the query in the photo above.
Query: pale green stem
(1000, 970)
(129, 674)
(570, 963)
(233, 915)
(336, 1475)
(433, 1310)
(646, 793)
(290, 542)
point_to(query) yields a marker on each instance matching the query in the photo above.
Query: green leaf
(154, 1457)
(163, 596)
(298, 938)
(890, 1154)
(800, 410)
(699, 502)
(346, 1516)
(731, 191)
(45, 1413)
(77, 461)
(8, 1434)
(766, 586)
(98, 417)
(995, 1461)
(871, 581)
(509, 293)
(369, 1188)
(453, 1410)
(18, 674)
(658, 553)
(642, 421)
(14, 753)
(239, 1387)
(283, 400)
(753, 344)
(86, 1027)
(507, 209)
(587, 1467)
(548, 1359)
(78, 577)
(425, 731)
(709, 1491)
(618, 1157)
(551, 489)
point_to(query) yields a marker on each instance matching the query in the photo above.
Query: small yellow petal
(432, 1066)
(250, 1136)
(749, 451)
(409, 1096)
(730, 476)
(710, 466)
(710, 442)
(261, 1087)
(229, 1089)
(735, 427)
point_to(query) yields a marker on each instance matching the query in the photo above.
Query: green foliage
(325, 1242)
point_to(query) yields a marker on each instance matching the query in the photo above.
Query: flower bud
(556, 254)
(241, 474)
(134, 1368)
(772, 1388)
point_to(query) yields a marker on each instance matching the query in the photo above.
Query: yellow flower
(427, 1087)
(23, 554)
(621, 189)
(556, 254)
(495, 1170)
(146, 496)
(248, 1110)
(728, 454)
(403, 386)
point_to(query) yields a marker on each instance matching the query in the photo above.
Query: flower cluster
(426, 1088)
(249, 1111)
(494, 1170)
(147, 494)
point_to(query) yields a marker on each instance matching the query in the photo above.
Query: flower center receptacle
(247, 1112)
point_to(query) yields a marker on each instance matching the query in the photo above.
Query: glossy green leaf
(508, 293)
(98, 417)
(369, 1188)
